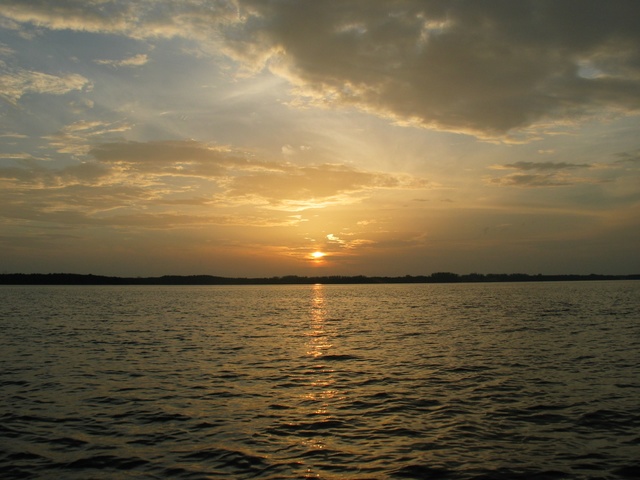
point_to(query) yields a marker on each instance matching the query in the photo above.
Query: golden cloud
(161, 181)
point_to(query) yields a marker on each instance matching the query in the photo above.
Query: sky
(239, 137)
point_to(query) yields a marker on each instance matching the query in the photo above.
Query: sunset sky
(238, 137)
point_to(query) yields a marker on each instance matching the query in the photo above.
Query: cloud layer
(498, 69)
(147, 180)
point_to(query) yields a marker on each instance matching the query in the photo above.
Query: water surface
(465, 381)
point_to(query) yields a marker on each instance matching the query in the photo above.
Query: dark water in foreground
(478, 381)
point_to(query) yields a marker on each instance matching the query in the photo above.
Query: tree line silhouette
(437, 277)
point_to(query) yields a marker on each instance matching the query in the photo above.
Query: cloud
(540, 166)
(167, 158)
(135, 61)
(143, 19)
(496, 70)
(13, 135)
(532, 180)
(75, 217)
(540, 174)
(244, 177)
(5, 51)
(31, 173)
(628, 159)
(554, 174)
(292, 150)
(349, 244)
(76, 137)
(302, 186)
(19, 82)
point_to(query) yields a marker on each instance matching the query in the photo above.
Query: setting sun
(318, 255)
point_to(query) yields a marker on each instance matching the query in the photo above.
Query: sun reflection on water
(318, 346)
(322, 396)
(321, 391)
(319, 341)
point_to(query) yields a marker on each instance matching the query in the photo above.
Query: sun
(318, 255)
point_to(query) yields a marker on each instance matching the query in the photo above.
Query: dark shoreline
(439, 277)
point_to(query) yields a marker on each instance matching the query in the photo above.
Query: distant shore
(438, 277)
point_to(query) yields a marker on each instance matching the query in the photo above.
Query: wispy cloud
(30, 174)
(299, 187)
(629, 159)
(141, 19)
(19, 82)
(244, 176)
(5, 50)
(540, 166)
(77, 137)
(351, 243)
(546, 174)
(534, 180)
(135, 61)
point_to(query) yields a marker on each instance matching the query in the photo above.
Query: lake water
(464, 381)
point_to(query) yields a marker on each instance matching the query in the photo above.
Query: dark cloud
(540, 174)
(541, 166)
(629, 159)
(531, 180)
(481, 67)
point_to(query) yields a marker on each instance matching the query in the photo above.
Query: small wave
(107, 400)
(104, 462)
(68, 442)
(9, 432)
(224, 394)
(15, 383)
(401, 432)
(325, 453)
(339, 358)
(306, 428)
(629, 471)
(152, 417)
(229, 460)
(17, 456)
(608, 420)
(511, 474)
(422, 472)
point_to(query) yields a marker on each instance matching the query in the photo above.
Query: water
(475, 381)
